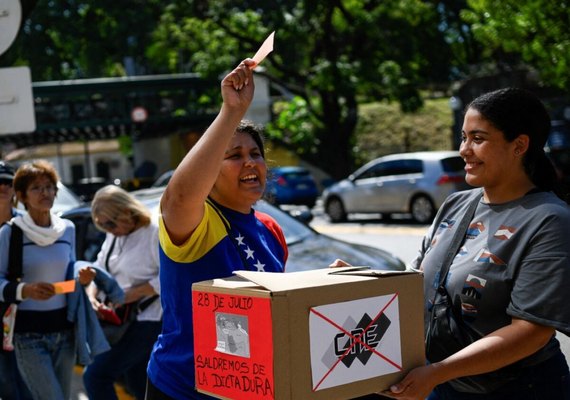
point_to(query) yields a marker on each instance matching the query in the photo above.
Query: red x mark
(356, 339)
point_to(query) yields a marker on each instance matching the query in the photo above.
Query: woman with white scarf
(12, 386)
(44, 341)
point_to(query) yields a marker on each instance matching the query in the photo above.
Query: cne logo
(360, 342)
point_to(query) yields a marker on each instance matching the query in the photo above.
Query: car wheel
(335, 210)
(422, 209)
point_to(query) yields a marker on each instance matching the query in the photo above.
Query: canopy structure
(105, 108)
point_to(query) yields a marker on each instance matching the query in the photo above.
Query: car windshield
(559, 137)
(300, 174)
(163, 179)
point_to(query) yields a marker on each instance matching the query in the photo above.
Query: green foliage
(293, 126)
(67, 39)
(535, 30)
(125, 145)
(330, 55)
(384, 129)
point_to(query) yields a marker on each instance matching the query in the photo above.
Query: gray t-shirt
(513, 262)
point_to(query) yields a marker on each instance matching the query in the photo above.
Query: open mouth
(470, 165)
(251, 178)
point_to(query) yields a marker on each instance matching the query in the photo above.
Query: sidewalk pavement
(78, 391)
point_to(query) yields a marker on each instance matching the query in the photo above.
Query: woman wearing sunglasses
(130, 254)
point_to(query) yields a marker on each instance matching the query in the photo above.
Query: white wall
(156, 150)
(260, 108)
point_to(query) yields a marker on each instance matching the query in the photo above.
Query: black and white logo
(360, 342)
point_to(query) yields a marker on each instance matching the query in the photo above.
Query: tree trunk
(339, 122)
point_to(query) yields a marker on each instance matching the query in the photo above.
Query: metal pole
(87, 158)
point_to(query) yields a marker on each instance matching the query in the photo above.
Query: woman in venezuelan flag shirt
(208, 229)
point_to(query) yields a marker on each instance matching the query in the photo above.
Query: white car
(411, 183)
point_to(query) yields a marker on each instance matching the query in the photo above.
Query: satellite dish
(10, 18)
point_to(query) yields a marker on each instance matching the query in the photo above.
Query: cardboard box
(324, 334)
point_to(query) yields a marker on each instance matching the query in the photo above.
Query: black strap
(15, 254)
(14, 272)
(457, 240)
(450, 255)
(143, 305)
(109, 253)
(219, 212)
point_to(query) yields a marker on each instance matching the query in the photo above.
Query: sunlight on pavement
(359, 228)
(78, 392)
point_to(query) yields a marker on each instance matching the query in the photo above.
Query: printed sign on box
(328, 334)
(235, 345)
(354, 340)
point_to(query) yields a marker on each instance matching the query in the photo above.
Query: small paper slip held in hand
(264, 50)
(64, 287)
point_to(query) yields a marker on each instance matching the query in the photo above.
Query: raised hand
(238, 87)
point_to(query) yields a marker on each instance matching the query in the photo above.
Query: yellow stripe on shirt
(209, 232)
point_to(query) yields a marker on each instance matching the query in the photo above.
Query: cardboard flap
(280, 282)
(234, 282)
(375, 272)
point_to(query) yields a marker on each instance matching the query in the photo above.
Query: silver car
(411, 183)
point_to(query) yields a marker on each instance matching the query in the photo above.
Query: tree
(68, 39)
(535, 31)
(329, 56)
(466, 50)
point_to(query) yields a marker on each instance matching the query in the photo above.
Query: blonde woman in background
(130, 254)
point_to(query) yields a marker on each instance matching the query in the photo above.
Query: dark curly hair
(255, 131)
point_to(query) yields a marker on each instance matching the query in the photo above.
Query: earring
(517, 152)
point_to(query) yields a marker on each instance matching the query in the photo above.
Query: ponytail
(540, 170)
(515, 112)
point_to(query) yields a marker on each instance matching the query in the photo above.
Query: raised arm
(182, 204)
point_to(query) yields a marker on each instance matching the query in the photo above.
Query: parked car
(291, 185)
(308, 249)
(85, 188)
(414, 183)
(163, 179)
